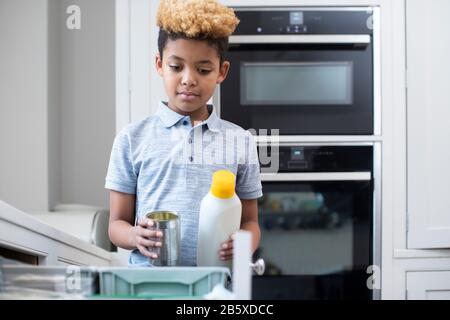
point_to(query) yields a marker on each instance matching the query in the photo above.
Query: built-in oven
(304, 71)
(319, 222)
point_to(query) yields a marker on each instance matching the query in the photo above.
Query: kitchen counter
(21, 232)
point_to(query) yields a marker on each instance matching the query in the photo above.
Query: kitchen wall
(57, 103)
(54, 103)
(87, 101)
(24, 103)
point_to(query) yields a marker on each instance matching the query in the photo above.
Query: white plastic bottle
(220, 216)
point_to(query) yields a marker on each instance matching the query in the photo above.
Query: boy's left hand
(226, 249)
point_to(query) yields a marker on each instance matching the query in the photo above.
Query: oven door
(316, 236)
(300, 84)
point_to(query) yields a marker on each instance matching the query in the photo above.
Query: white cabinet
(428, 129)
(38, 242)
(428, 285)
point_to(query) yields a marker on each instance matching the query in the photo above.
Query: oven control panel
(303, 21)
(316, 158)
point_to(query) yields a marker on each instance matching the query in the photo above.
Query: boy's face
(190, 70)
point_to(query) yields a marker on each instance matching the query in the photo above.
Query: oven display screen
(296, 18)
(297, 154)
(297, 83)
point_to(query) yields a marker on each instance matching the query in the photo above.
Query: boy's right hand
(147, 239)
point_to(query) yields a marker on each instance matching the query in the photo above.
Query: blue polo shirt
(168, 165)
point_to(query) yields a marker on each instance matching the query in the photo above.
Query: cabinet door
(428, 285)
(428, 118)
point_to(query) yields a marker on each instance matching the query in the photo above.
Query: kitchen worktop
(24, 233)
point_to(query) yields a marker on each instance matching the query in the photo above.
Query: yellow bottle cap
(222, 185)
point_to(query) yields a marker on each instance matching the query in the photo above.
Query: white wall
(87, 102)
(146, 86)
(57, 103)
(24, 104)
(54, 108)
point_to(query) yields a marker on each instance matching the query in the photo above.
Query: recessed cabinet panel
(428, 285)
(428, 113)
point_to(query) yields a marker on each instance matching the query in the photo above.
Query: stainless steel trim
(259, 266)
(309, 8)
(377, 173)
(334, 140)
(317, 176)
(377, 112)
(303, 38)
(297, 63)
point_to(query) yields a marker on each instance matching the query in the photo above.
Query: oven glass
(316, 228)
(297, 83)
(300, 89)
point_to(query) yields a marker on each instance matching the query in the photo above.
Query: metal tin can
(168, 222)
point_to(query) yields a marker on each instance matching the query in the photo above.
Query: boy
(166, 161)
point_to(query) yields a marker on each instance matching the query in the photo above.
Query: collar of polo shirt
(169, 117)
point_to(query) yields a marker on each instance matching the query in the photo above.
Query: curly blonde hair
(196, 18)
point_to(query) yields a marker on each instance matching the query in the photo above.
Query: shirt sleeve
(248, 180)
(121, 175)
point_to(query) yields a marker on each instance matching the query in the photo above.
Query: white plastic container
(220, 216)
